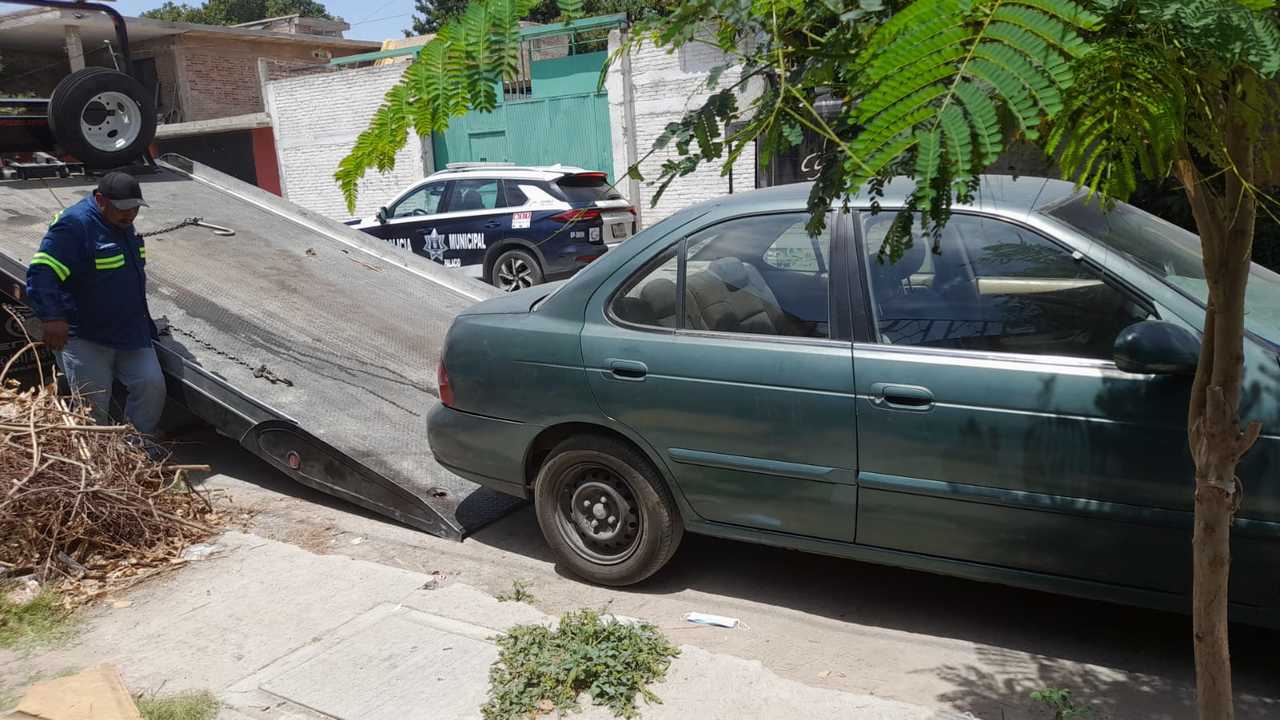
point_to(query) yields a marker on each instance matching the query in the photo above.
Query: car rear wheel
(605, 512)
(516, 270)
(103, 117)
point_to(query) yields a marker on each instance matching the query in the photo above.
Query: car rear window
(586, 188)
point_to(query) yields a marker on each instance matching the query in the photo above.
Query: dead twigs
(79, 500)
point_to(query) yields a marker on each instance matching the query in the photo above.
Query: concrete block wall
(665, 85)
(317, 119)
(221, 78)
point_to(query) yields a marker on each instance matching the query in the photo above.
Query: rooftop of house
(43, 29)
(304, 25)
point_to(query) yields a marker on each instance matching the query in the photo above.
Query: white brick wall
(316, 120)
(665, 86)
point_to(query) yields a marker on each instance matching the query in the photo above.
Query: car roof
(505, 171)
(1016, 195)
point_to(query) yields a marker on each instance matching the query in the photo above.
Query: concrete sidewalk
(278, 632)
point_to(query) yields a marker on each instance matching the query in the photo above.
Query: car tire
(593, 478)
(515, 270)
(83, 126)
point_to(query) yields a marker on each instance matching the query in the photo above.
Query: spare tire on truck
(103, 117)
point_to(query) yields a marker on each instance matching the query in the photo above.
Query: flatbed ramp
(312, 344)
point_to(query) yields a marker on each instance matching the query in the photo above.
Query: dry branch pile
(83, 501)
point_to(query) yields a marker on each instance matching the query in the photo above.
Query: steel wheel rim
(514, 274)
(111, 121)
(598, 515)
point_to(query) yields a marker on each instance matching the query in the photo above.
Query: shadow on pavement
(1074, 643)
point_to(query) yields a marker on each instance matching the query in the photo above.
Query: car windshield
(1172, 255)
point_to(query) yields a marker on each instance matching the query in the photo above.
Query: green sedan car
(1007, 405)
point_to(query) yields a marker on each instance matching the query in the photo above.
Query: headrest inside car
(660, 295)
(731, 271)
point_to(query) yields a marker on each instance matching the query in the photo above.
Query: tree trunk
(1215, 501)
(1217, 442)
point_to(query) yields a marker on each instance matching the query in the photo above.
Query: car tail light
(586, 258)
(569, 216)
(442, 381)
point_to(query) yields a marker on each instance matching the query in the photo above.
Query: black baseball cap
(122, 190)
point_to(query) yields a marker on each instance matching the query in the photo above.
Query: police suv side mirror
(382, 215)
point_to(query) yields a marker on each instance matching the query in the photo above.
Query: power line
(389, 17)
(375, 12)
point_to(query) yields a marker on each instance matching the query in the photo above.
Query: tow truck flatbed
(313, 345)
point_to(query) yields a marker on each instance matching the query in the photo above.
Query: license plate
(619, 230)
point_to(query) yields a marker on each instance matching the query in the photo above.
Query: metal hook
(217, 229)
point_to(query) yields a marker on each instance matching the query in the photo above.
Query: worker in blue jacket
(88, 285)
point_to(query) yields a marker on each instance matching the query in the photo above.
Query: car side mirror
(382, 215)
(1157, 348)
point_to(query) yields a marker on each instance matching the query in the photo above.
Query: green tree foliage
(429, 15)
(234, 12)
(1143, 101)
(459, 70)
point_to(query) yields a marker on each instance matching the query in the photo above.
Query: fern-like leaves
(1126, 113)
(1237, 31)
(460, 70)
(937, 77)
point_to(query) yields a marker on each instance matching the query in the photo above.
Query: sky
(369, 19)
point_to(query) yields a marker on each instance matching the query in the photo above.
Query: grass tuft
(195, 705)
(38, 622)
(519, 593)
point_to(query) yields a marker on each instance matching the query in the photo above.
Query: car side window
(475, 194)
(797, 251)
(992, 286)
(423, 201)
(730, 285)
(514, 195)
(651, 298)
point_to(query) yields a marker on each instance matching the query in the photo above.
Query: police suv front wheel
(516, 270)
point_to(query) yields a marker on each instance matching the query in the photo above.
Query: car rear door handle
(902, 397)
(492, 225)
(628, 369)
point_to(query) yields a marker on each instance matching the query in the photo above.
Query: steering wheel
(419, 211)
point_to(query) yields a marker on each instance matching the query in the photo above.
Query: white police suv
(514, 226)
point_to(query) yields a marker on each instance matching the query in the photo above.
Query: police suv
(514, 226)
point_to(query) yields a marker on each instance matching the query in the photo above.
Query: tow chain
(190, 222)
(261, 371)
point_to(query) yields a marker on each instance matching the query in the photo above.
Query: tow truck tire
(605, 511)
(103, 117)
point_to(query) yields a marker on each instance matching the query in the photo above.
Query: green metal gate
(567, 130)
(552, 113)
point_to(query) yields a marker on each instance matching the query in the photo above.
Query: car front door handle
(632, 370)
(902, 397)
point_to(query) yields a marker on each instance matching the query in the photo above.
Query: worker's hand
(55, 334)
